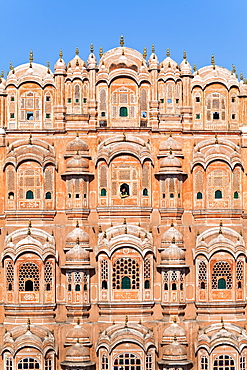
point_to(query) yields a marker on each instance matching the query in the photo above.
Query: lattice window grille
(165, 276)
(240, 269)
(148, 364)
(145, 179)
(221, 269)
(224, 362)
(29, 271)
(242, 363)
(204, 363)
(78, 277)
(103, 176)
(102, 100)
(48, 180)
(10, 272)
(199, 181)
(9, 363)
(147, 268)
(104, 269)
(202, 271)
(48, 272)
(174, 276)
(11, 180)
(69, 277)
(28, 364)
(125, 267)
(121, 362)
(48, 364)
(104, 363)
(143, 100)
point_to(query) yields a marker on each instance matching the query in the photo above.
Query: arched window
(48, 363)
(235, 195)
(174, 286)
(125, 268)
(28, 286)
(104, 284)
(148, 364)
(123, 112)
(125, 283)
(104, 363)
(216, 115)
(145, 192)
(28, 364)
(123, 362)
(48, 275)
(221, 276)
(147, 284)
(221, 283)
(224, 362)
(48, 195)
(28, 277)
(10, 275)
(204, 363)
(9, 363)
(103, 192)
(242, 363)
(11, 195)
(124, 190)
(218, 194)
(77, 288)
(165, 286)
(77, 94)
(29, 194)
(69, 288)
(202, 274)
(199, 195)
(239, 274)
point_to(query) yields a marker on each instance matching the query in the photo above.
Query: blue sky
(202, 28)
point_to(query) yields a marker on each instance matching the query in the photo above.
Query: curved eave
(78, 173)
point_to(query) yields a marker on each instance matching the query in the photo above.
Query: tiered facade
(123, 215)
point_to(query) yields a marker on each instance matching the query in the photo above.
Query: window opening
(204, 363)
(124, 190)
(28, 364)
(104, 284)
(103, 192)
(224, 362)
(12, 115)
(29, 116)
(216, 115)
(29, 194)
(145, 192)
(48, 195)
(104, 363)
(149, 362)
(127, 361)
(199, 195)
(123, 112)
(125, 283)
(221, 276)
(29, 277)
(125, 267)
(197, 99)
(147, 284)
(242, 363)
(198, 116)
(9, 363)
(169, 101)
(218, 194)
(11, 195)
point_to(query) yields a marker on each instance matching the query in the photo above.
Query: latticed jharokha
(123, 214)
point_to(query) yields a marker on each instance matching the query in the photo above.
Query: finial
(30, 58)
(241, 76)
(172, 224)
(52, 233)
(10, 66)
(233, 68)
(153, 49)
(222, 322)
(78, 321)
(100, 52)
(185, 55)
(124, 221)
(174, 319)
(126, 321)
(30, 223)
(212, 61)
(77, 63)
(2, 74)
(104, 234)
(194, 68)
(77, 241)
(144, 53)
(125, 230)
(121, 40)
(91, 48)
(170, 134)
(221, 224)
(124, 136)
(28, 324)
(173, 240)
(216, 139)
(61, 55)
(48, 66)
(241, 232)
(175, 338)
(28, 231)
(170, 151)
(168, 52)
(100, 229)
(77, 223)
(76, 51)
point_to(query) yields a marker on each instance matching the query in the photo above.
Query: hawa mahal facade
(123, 215)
